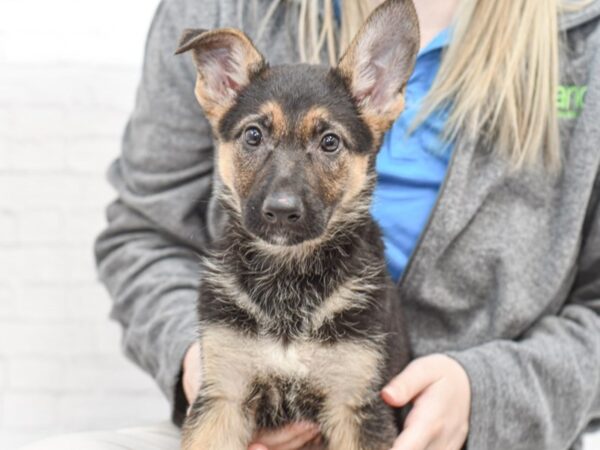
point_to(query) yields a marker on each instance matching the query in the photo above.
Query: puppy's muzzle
(282, 208)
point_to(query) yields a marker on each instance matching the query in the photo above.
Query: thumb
(192, 372)
(409, 383)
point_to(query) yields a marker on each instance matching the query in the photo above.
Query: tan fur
(231, 361)
(346, 371)
(213, 110)
(242, 52)
(225, 162)
(309, 121)
(355, 62)
(277, 118)
(290, 254)
(331, 180)
(349, 175)
(350, 294)
(344, 180)
(342, 427)
(223, 426)
(245, 175)
(252, 57)
(356, 178)
(348, 388)
(232, 289)
(235, 172)
(380, 123)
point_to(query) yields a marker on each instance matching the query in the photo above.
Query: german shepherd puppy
(298, 317)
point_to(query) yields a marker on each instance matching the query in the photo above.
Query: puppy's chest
(291, 308)
(299, 377)
(265, 355)
(289, 348)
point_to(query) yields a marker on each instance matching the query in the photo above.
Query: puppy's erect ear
(380, 60)
(226, 60)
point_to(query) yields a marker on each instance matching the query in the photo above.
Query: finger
(413, 438)
(192, 372)
(257, 447)
(273, 438)
(442, 442)
(299, 441)
(315, 443)
(409, 383)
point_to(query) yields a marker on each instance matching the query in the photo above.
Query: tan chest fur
(232, 361)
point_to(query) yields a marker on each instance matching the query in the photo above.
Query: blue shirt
(411, 167)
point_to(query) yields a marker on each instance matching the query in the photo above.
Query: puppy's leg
(378, 428)
(341, 429)
(216, 424)
(370, 426)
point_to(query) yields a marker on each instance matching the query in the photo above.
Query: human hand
(291, 437)
(192, 375)
(440, 391)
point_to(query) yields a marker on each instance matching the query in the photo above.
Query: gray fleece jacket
(505, 279)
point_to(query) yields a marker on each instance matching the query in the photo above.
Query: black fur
(353, 248)
(277, 401)
(302, 401)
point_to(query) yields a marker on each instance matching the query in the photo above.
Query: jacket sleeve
(541, 391)
(148, 255)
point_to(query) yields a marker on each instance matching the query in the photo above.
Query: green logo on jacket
(570, 101)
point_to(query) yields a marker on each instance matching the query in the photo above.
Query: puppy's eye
(330, 143)
(253, 136)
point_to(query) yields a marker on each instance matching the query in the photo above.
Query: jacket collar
(572, 19)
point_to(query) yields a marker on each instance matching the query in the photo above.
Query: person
(488, 198)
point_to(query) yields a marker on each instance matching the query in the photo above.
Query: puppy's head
(296, 142)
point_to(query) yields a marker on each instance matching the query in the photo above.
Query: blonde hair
(499, 73)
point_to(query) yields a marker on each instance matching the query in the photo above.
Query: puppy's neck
(288, 285)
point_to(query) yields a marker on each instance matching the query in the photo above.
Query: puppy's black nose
(282, 208)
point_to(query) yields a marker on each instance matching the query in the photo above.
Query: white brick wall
(60, 363)
(51, 31)
(61, 368)
(67, 84)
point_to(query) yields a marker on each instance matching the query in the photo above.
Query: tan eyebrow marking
(274, 112)
(311, 119)
(316, 115)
